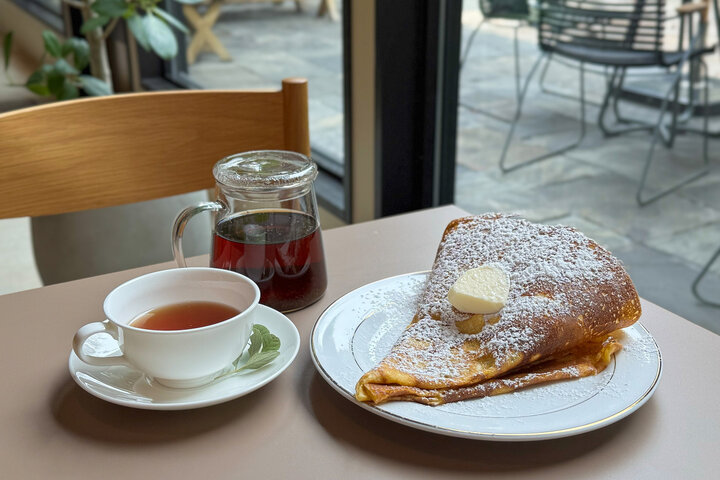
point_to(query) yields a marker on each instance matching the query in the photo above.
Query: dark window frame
(417, 67)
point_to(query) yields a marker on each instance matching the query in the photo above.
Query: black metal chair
(701, 275)
(508, 10)
(706, 268)
(618, 34)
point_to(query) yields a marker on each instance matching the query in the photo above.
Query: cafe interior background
(410, 106)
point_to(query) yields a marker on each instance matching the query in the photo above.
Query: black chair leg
(469, 43)
(640, 197)
(516, 53)
(616, 101)
(518, 112)
(612, 95)
(698, 279)
(518, 75)
(559, 93)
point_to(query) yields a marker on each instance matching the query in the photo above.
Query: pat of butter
(483, 289)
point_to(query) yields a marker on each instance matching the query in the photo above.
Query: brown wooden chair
(101, 152)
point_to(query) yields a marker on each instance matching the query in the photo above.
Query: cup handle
(87, 331)
(181, 221)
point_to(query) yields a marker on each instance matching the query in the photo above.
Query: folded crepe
(567, 300)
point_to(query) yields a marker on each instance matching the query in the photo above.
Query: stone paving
(269, 42)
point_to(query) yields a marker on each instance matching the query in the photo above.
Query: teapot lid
(265, 170)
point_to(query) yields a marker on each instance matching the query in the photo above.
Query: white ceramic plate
(359, 329)
(131, 388)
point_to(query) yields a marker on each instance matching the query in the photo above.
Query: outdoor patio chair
(92, 153)
(507, 10)
(706, 268)
(620, 34)
(701, 275)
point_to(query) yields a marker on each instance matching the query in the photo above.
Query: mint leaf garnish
(256, 340)
(260, 359)
(270, 343)
(264, 348)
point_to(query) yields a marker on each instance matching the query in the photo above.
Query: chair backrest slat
(610, 24)
(100, 152)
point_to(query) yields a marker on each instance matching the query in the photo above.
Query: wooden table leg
(204, 38)
(328, 7)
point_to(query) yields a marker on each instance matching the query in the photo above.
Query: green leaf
(161, 38)
(68, 92)
(38, 76)
(81, 52)
(262, 336)
(7, 45)
(39, 88)
(256, 340)
(93, 23)
(36, 83)
(261, 329)
(260, 359)
(62, 67)
(55, 82)
(172, 21)
(137, 27)
(270, 343)
(94, 86)
(264, 348)
(65, 49)
(52, 44)
(110, 8)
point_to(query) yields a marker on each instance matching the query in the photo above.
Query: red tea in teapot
(280, 250)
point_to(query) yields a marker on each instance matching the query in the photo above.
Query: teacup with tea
(181, 327)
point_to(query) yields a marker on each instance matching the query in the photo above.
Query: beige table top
(298, 426)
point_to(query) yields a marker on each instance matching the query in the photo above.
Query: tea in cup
(181, 327)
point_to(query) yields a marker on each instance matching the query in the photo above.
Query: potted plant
(61, 73)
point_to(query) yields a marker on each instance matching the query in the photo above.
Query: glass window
(584, 176)
(257, 44)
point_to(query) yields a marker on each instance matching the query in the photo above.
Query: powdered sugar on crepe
(556, 274)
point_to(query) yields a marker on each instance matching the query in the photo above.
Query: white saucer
(131, 388)
(359, 329)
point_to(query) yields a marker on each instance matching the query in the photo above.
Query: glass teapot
(266, 226)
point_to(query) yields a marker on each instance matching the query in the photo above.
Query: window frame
(418, 64)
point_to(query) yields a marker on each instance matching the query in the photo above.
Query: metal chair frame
(556, 19)
(706, 268)
(698, 279)
(488, 15)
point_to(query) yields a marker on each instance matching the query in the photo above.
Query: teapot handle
(181, 221)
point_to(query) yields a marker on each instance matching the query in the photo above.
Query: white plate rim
(265, 313)
(472, 434)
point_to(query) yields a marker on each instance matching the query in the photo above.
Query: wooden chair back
(104, 151)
